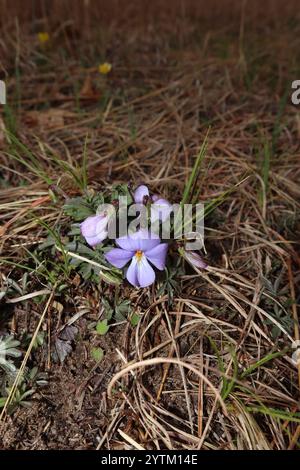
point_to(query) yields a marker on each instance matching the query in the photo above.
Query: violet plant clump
(141, 252)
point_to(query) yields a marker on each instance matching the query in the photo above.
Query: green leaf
(2, 294)
(97, 354)
(108, 310)
(261, 362)
(110, 278)
(8, 347)
(191, 183)
(135, 318)
(2, 401)
(122, 310)
(275, 413)
(102, 327)
(78, 209)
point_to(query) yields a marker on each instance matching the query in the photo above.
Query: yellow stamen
(139, 255)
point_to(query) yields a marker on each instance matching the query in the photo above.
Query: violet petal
(94, 229)
(97, 239)
(157, 255)
(160, 210)
(195, 259)
(140, 193)
(140, 240)
(118, 257)
(131, 274)
(145, 273)
(129, 243)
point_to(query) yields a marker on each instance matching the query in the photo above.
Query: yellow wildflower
(104, 68)
(43, 37)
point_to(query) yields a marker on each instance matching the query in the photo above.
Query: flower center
(139, 255)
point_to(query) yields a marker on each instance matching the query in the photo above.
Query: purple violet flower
(160, 209)
(94, 229)
(139, 248)
(195, 259)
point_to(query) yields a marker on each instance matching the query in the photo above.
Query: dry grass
(213, 369)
